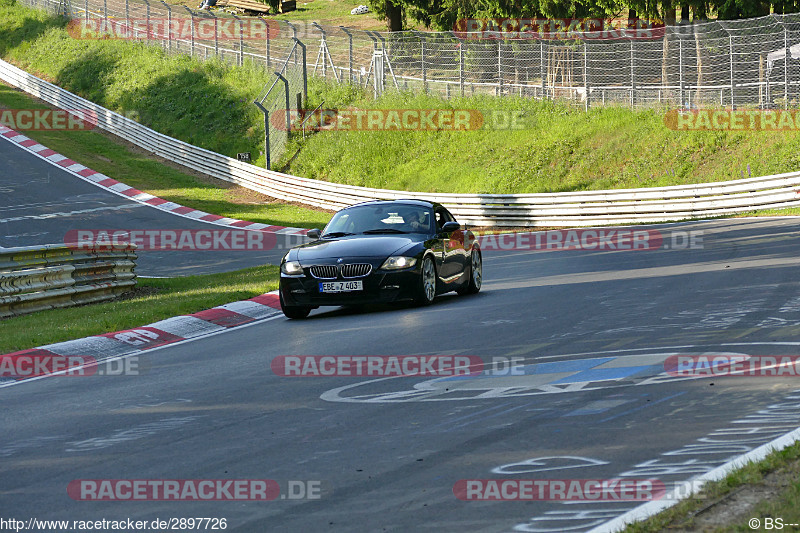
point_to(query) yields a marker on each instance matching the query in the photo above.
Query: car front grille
(324, 271)
(356, 270)
(353, 270)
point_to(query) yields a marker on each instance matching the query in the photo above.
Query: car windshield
(379, 219)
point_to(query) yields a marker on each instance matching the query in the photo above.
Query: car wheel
(426, 290)
(475, 274)
(294, 311)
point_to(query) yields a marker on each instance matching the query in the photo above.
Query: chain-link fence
(742, 63)
(282, 101)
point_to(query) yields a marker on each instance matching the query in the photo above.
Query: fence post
(269, 62)
(105, 12)
(241, 41)
(294, 36)
(86, 11)
(680, 69)
(733, 105)
(216, 33)
(268, 163)
(585, 74)
(785, 69)
(191, 28)
(305, 69)
(461, 67)
(286, 91)
(323, 49)
(128, 20)
(633, 79)
(541, 64)
(147, 3)
(499, 69)
(350, 54)
(422, 60)
(169, 25)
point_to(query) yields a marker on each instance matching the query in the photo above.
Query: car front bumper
(379, 287)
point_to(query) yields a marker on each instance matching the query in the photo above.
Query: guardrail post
(105, 11)
(86, 11)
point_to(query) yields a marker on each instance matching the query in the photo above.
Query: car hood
(354, 246)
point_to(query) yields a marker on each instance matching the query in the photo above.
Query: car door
(453, 251)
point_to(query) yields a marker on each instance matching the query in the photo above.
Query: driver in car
(417, 221)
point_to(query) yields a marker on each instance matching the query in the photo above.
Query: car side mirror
(450, 227)
(313, 234)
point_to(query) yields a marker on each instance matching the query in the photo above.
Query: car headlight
(397, 262)
(292, 268)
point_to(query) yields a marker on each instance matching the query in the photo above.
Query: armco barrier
(587, 208)
(33, 278)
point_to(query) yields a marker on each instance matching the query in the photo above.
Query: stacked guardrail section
(33, 278)
(587, 208)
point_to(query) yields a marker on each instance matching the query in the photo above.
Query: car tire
(294, 311)
(473, 286)
(426, 288)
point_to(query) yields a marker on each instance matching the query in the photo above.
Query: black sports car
(381, 251)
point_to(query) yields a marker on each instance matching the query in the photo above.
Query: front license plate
(341, 286)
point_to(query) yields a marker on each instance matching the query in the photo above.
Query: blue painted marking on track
(602, 374)
(566, 366)
(557, 367)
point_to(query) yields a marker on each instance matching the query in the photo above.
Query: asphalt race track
(592, 401)
(39, 202)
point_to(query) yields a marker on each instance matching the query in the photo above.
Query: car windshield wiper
(383, 230)
(336, 234)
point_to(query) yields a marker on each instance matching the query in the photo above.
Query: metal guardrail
(587, 208)
(33, 278)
